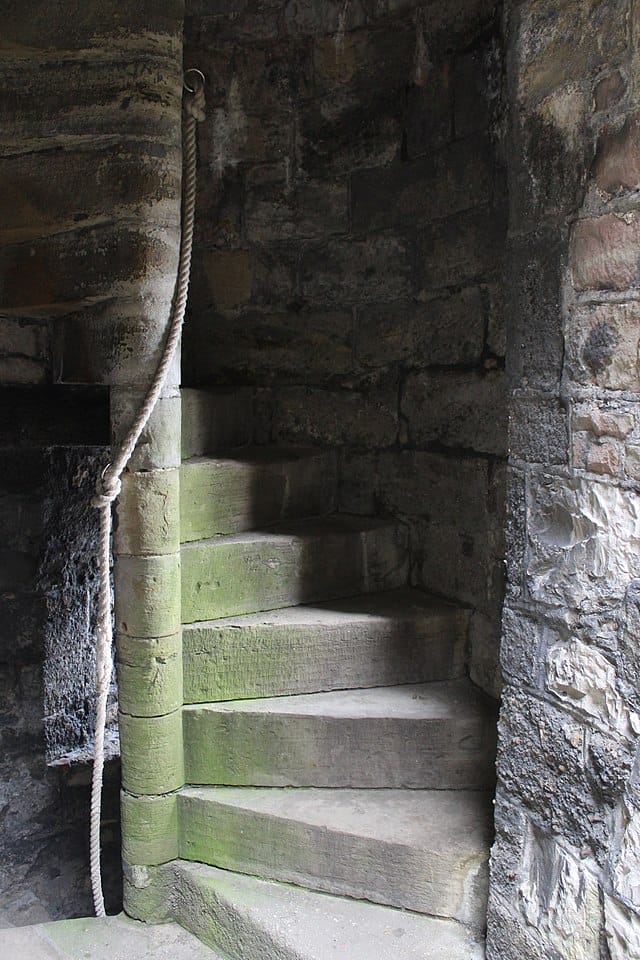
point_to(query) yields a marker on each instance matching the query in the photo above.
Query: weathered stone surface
(460, 249)
(309, 346)
(372, 641)
(309, 209)
(146, 892)
(428, 107)
(249, 572)
(149, 675)
(257, 488)
(583, 542)
(436, 736)
(445, 331)
(604, 252)
(616, 166)
(622, 928)
(609, 90)
(214, 420)
(473, 417)
(290, 835)
(602, 346)
(565, 42)
(559, 897)
(152, 755)
(341, 271)
(535, 343)
(243, 915)
(149, 513)
(159, 443)
(603, 456)
(603, 420)
(538, 430)
(147, 593)
(416, 191)
(149, 828)
(336, 417)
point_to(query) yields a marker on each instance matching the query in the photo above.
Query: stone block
(151, 751)
(538, 430)
(604, 252)
(524, 638)
(603, 420)
(609, 90)
(562, 42)
(282, 211)
(147, 591)
(371, 58)
(109, 183)
(305, 19)
(583, 542)
(336, 417)
(146, 892)
(457, 409)
(549, 172)
(460, 249)
(453, 562)
(86, 263)
(472, 91)
(559, 897)
(149, 675)
(625, 867)
(446, 331)
(535, 344)
(149, 829)
(377, 268)
(622, 929)
(585, 679)
(429, 108)
(24, 339)
(632, 462)
(159, 444)
(438, 185)
(339, 135)
(602, 346)
(149, 513)
(616, 166)
(22, 371)
(116, 340)
(603, 456)
(261, 276)
(158, 29)
(296, 346)
(569, 777)
(138, 99)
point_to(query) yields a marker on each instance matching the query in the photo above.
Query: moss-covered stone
(150, 675)
(149, 513)
(149, 828)
(148, 595)
(146, 891)
(152, 756)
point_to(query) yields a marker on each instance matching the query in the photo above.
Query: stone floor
(111, 938)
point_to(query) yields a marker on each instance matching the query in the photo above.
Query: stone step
(401, 636)
(216, 419)
(421, 850)
(433, 735)
(296, 562)
(251, 919)
(254, 488)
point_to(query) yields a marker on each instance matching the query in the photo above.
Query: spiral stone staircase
(339, 765)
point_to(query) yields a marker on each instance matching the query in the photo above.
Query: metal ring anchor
(200, 79)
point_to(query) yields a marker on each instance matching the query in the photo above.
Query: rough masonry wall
(351, 217)
(566, 864)
(89, 187)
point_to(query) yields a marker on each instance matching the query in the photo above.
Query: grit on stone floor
(109, 938)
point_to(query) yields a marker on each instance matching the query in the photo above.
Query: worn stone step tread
(422, 850)
(372, 640)
(253, 919)
(105, 938)
(293, 562)
(254, 487)
(438, 735)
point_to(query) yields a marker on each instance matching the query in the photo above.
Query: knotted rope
(109, 483)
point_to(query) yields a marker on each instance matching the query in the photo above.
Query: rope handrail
(109, 483)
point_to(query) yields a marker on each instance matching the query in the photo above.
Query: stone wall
(89, 186)
(566, 864)
(351, 224)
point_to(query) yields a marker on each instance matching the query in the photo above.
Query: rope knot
(194, 85)
(108, 489)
